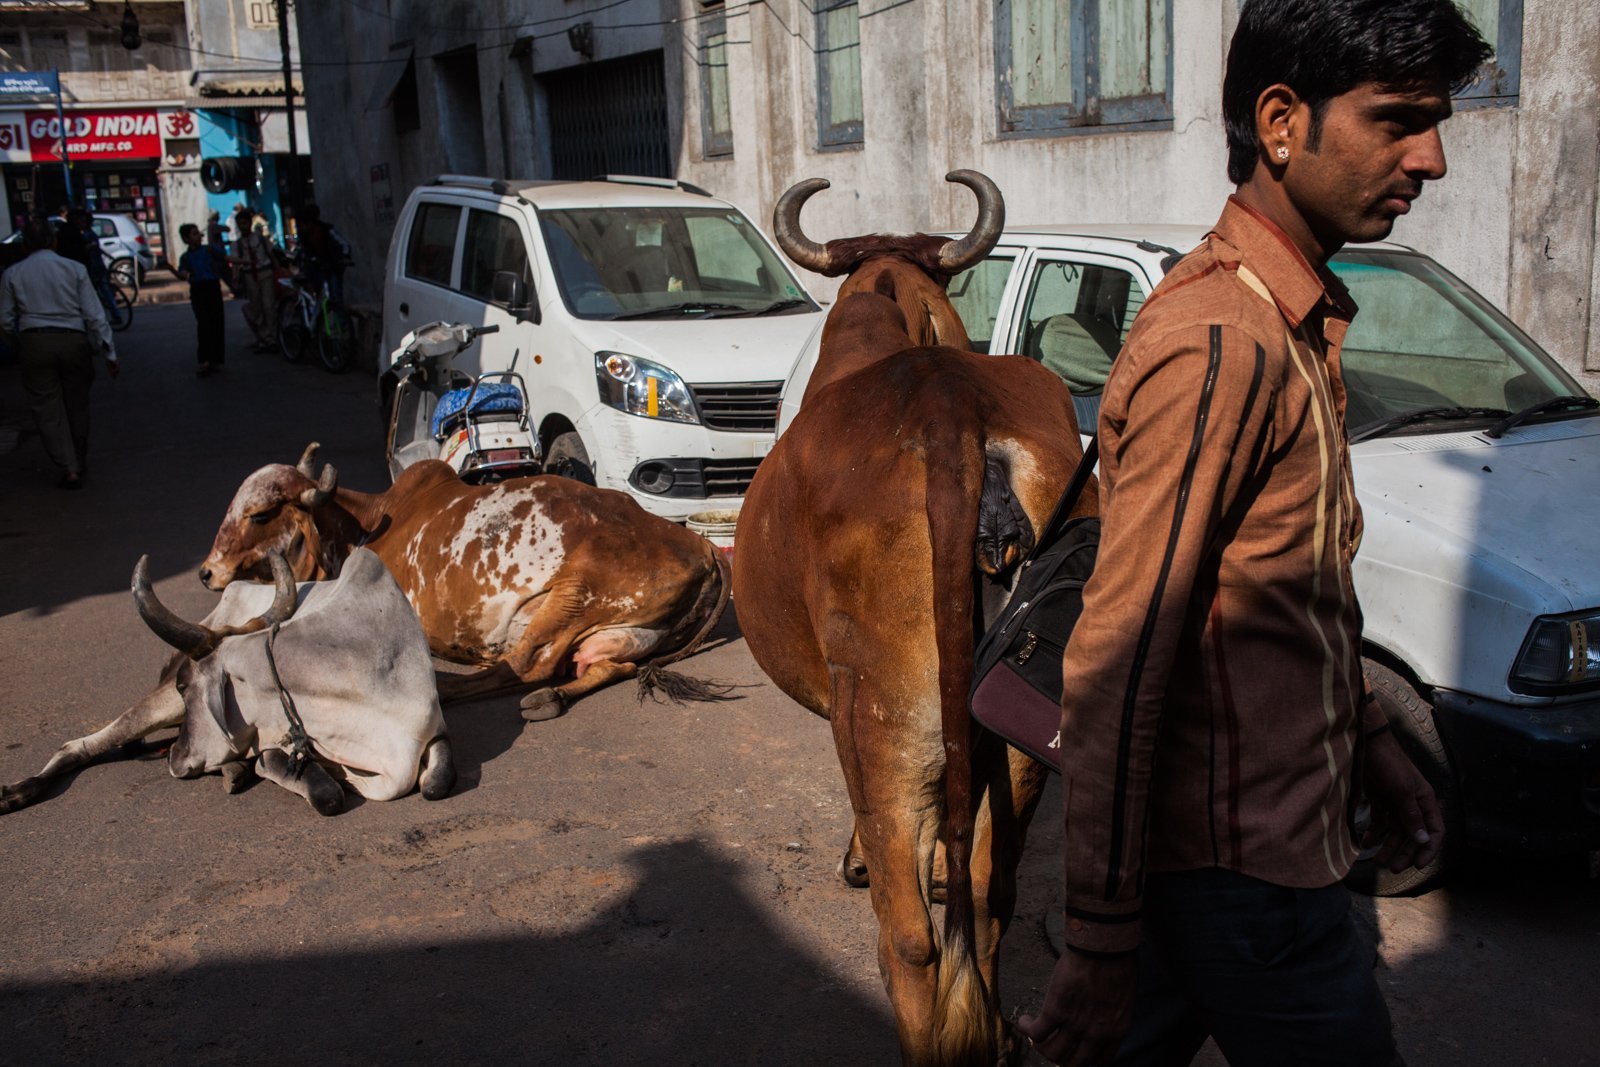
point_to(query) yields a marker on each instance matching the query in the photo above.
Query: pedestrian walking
(253, 264)
(201, 268)
(1205, 888)
(53, 317)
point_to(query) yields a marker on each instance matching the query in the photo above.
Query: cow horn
(308, 458)
(283, 604)
(314, 498)
(190, 638)
(786, 227)
(957, 256)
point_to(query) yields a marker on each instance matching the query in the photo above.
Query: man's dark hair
(37, 234)
(1325, 48)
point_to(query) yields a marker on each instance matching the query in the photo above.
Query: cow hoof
(16, 797)
(438, 770)
(325, 794)
(237, 776)
(541, 705)
(853, 869)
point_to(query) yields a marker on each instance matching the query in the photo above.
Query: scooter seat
(495, 398)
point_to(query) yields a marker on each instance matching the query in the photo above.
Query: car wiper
(1437, 414)
(1555, 403)
(693, 307)
(780, 305)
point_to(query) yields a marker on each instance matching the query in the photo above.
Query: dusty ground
(627, 884)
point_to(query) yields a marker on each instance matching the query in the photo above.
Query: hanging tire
(293, 337)
(569, 459)
(336, 340)
(1411, 719)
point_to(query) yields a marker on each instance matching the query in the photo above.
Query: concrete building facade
(1081, 111)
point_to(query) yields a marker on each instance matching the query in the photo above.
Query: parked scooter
(480, 426)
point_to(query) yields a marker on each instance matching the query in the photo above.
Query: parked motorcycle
(480, 426)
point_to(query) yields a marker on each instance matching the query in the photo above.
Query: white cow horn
(190, 638)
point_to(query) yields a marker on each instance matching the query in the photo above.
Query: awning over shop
(268, 102)
(389, 75)
(231, 83)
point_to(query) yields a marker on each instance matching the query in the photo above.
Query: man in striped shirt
(1204, 893)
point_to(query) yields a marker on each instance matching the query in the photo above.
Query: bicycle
(309, 316)
(118, 303)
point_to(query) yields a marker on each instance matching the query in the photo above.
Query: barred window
(716, 119)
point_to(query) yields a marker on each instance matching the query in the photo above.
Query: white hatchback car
(652, 323)
(122, 239)
(1474, 455)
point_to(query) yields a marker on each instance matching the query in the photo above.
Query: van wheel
(568, 458)
(1411, 718)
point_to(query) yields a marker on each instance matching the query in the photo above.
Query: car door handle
(405, 309)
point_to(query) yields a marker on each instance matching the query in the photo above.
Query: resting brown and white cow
(899, 502)
(533, 579)
(349, 653)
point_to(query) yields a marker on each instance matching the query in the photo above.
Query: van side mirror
(510, 291)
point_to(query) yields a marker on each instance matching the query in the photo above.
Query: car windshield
(666, 263)
(1423, 339)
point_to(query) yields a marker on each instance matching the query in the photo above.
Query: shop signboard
(92, 135)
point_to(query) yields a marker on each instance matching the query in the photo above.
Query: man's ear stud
(1283, 154)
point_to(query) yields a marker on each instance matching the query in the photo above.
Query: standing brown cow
(901, 499)
(541, 581)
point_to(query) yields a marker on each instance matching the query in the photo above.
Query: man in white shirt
(51, 314)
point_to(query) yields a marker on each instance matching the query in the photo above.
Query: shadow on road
(683, 968)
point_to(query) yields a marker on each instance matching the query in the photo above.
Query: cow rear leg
(548, 703)
(315, 784)
(453, 687)
(438, 775)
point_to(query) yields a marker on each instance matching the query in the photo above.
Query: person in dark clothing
(1204, 872)
(324, 253)
(88, 253)
(200, 267)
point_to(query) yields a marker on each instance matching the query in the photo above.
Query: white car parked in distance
(122, 237)
(1475, 456)
(652, 322)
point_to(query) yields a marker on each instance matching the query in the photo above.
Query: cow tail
(676, 687)
(965, 1016)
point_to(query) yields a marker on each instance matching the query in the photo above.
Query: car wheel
(1411, 719)
(568, 458)
(123, 272)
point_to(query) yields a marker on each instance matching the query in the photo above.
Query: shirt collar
(1297, 287)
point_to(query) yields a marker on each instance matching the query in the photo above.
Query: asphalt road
(630, 883)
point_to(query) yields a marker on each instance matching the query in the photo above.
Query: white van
(1475, 458)
(652, 322)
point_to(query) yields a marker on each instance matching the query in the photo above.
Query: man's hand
(1087, 1009)
(1404, 809)
(113, 367)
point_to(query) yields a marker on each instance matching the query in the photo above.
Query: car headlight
(1560, 652)
(643, 388)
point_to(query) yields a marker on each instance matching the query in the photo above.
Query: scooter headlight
(640, 387)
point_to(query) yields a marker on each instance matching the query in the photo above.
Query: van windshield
(1425, 342)
(666, 263)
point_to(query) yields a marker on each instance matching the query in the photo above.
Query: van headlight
(1560, 652)
(643, 388)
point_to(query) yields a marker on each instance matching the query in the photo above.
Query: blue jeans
(1278, 977)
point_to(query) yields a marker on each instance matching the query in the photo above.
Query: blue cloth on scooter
(490, 399)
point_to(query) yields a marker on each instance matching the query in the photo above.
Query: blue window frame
(1500, 22)
(1066, 64)
(839, 110)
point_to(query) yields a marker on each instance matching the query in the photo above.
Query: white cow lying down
(352, 657)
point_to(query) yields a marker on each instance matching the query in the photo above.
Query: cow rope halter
(296, 740)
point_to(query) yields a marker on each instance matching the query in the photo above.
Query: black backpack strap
(1080, 478)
